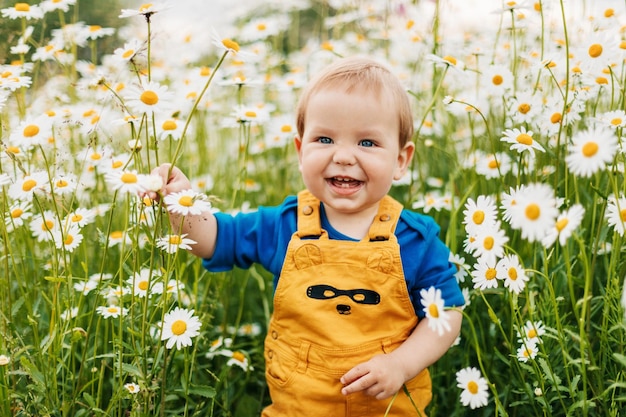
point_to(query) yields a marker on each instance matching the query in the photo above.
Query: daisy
(63, 184)
(239, 359)
(261, 28)
(23, 11)
(474, 387)
(526, 107)
(438, 317)
(140, 281)
(484, 275)
(591, 150)
(171, 128)
(528, 350)
(203, 182)
(461, 267)
(80, 217)
(616, 213)
(68, 239)
(19, 211)
(532, 332)
(598, 51)
(228, 45)
(217, 344)
(487, 243)
(447, 61)
(565, 225)
(25, 188)
(493, 165)
(513, 274)
(534, 211)
(119, 237)
(250, 329)
(132, 388)
(5, 179)
(111, 311)
(4, 360)
(150, 98)
(126, 181)
(171, 243)
(85, 287)
(479, 213)
(51, 5)
(129, 50)
(179, 326)
(521, 140)
(613, 119)
(43, 225)
(32, 132)
(497, 80)
(187, 202)
(70, 313)
(146, 10)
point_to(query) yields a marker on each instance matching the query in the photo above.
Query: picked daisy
(172, 243)
(511, 271)
(126, 181)
(434, 309)
(179, 326)
(475, 389)
(187, 202)
(521, 140)
(591, 150)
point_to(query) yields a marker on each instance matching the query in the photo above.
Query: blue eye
(367, 143)
(325, 140)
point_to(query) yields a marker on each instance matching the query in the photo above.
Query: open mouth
(344, 182)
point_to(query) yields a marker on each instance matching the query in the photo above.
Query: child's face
(350, 153)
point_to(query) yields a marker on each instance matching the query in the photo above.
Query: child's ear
(404, 160)
(298, 143)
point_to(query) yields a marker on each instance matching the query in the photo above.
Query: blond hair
(360, 72)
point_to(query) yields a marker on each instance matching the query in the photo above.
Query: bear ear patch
(381, 261)
(307, 256)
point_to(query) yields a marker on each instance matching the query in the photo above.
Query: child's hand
(173, 181)
(380, 377)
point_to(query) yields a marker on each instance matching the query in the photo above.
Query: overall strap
(309, 222)
(385, 222)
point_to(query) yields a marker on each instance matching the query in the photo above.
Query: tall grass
(71, 134)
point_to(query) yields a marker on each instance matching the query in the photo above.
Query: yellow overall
(337, 304)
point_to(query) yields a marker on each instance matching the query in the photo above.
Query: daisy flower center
(238, 356)
(525, 139)
(595, 50)
(450, 59)
(609, 13)
(95, 156)
(285, 128)
(512, 273)
(143, 285)
(116, 234)
(76, 218)
(62, 183)
(17, 213)
(561, 224)
(175, 240)
(145, 7)
(433, 310)
(186, 201)
(68, 240)
(179, 327)
(490, 274)
(488, 242)
(149, 97)
(94, 28)
(116, 164)
(497, 80)
(590, 149)
(623, 215)
(261, 27)
(128, 53)
(47, 225)
(472, 387)
(556, 118)
(31, 130)
(532, 333)
(616, 121)
(230, 44)
(112, 310)
(29, 185)
(169, 125)
(532, 211)
(493, 164)
(22, 7)
(478, 217)
(128, 178)
(524, 108)
(250, 113)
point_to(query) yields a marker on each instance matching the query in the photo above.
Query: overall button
(384, 217)
(274, 334)
(307, 210)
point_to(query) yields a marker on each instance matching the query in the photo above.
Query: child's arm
(202, 228)
(383, 375)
